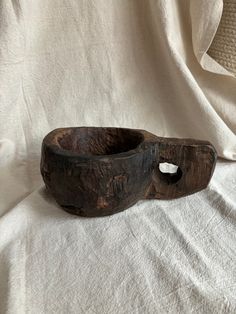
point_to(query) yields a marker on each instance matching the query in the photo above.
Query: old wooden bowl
(94, 171)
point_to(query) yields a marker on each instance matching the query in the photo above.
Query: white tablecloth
(130, 63)
(156, 257)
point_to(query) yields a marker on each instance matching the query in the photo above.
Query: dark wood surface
(100, 171)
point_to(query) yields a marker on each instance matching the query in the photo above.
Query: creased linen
(130, 63)
(156, 257)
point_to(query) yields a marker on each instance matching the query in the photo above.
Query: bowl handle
(195, 160)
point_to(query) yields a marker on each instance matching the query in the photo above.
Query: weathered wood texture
(100, 171)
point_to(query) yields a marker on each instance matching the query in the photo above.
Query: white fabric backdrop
(130, 63)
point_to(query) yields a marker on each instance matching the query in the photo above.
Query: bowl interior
(100, 141)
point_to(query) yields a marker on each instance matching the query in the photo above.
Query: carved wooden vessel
(94, 171)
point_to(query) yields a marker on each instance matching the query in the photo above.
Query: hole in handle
(170, 173)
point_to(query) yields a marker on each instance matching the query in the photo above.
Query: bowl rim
(51, 142)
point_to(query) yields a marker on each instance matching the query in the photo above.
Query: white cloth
(156, 257)
(130, 63)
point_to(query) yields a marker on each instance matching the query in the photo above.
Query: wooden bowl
(95, 171)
